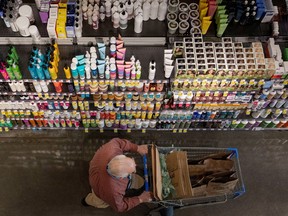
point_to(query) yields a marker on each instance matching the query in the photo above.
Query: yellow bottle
(67, 72)
(55, 64)
(52, 72)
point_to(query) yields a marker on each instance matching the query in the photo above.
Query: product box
(198, 44)
(218, 45)
(180, 67)
(226, 39)
(238, 45)
(71, 7)
(178, 50)
(70, 26)
(51, 28)
(208, 45)
(61, 29)
(53, 12)
(188, 40)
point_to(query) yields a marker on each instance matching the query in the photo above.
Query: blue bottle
(32, 71)
(40, 72)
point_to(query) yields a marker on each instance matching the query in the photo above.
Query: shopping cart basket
(194, 153)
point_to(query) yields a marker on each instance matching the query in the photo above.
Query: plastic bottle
(162, 10)
(154, 10)
(146, 11)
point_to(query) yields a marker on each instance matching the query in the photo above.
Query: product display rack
(144, 52)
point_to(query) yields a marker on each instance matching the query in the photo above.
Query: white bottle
(116, 20)
(146, 11)
(37, 86)
(13, 24)
(154, 10)
(88, 71)
(22, 86)
(78, 30)
(12, 86)
(95, 22)
(89, 17)
(152, 72)
(162, 10)
(129, 9)
(34, 33)
(123, 20)
(138, 23)
(44, 86)
(108, 8)
(84, 10)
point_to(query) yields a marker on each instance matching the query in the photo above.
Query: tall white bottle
(146, 11)
(162, 10)
(138, 23)
(154, 10)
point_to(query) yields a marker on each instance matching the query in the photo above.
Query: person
(110, 174)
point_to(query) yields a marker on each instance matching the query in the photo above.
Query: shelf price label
(174, 131)
(6, 129)
(115, 130)
(86, 130)
(185, 131)
(180, 131)
(101, 130)
(1, 129)
(128, 130)
(143, 130)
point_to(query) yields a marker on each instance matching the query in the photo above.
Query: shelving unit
(146, 46)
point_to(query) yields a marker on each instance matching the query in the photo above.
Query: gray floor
(45, 172)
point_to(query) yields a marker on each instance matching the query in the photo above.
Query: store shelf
(31, 80)
(270, 129)
(36, 93)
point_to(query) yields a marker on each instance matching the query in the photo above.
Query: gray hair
(118, 166)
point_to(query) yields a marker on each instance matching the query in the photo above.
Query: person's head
(121, 166)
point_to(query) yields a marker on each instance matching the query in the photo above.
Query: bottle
(67, 72)
(78, 30)
(16, 71)
(146, 11)
(154, 10)
(123, 20)
(13, 25)
(138, 23)
(129, 8)
(6, 21)
(162, 10)
(52, 72)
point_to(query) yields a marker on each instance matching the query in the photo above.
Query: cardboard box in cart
(178, 168)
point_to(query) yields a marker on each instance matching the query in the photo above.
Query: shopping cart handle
(146, 184)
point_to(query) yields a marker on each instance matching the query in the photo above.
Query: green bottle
(17, 72)
(10, 72)
(9, 60)
(15, 54)
(12, 56)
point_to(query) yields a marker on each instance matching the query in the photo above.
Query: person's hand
(145, 197)
(142, 149)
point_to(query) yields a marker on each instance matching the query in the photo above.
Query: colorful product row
(217, 84)
(208, 96)
(206, 106)
(199, 115)
(44, 66)
(104, 86)
(232, 124)
(9, 69)
(143, 124)
(81, 115)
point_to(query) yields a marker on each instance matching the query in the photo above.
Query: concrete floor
(45, 172)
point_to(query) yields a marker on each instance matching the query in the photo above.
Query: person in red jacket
(110, 176)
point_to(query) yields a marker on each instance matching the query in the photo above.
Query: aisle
(44, 173)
